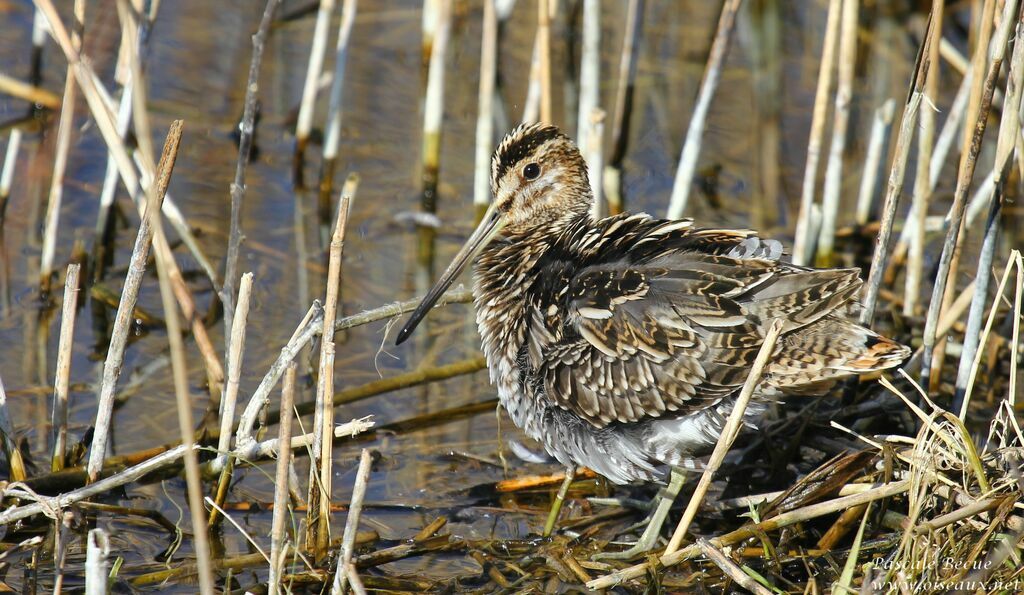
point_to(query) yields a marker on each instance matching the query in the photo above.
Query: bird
(621, 343)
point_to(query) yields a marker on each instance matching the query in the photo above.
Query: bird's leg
(549, 525)
(650, 535)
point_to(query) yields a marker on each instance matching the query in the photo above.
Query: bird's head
(538, 178)
(539, 181)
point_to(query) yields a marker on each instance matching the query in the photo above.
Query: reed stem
(62, 380)
(708, 85)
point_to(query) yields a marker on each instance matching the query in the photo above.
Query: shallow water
(197, 67)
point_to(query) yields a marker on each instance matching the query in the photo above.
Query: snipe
(621, 343)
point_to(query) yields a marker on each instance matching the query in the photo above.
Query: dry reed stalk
(730, 432)
(278, 551)
(590, 77)
(355, 510)
(310, 326)
(60, 159)
(922, 179)
(101, 106)
(10, 447)
(892, 197)
(431, 16)
(269, 448)
(1013, 262)
(595, 162)
(730, 568)
(161, 247)
(880, 127)
(304, 124)
(803, 237)
(785, 519)
(1008, 137)
(333, 129)
(43, 504)
(433, 107)
(623, 110)
(60, 549)
(967, 165)
(321, 461)
(223, 462)
(545, 12)
(708, 85)
(31, 93)
(824, 256)
(118, 341)
(179, 367)
(38, 42)
(62, 379)
(485, 109)
(7, 175)
(102, 235)
(227, 293)
(950, 131)
(96, 566)
(153, 460)
(766, 50)
(991, 46)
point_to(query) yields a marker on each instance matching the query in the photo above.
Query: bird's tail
(827, 350)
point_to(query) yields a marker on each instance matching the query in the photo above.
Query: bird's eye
(531, 171)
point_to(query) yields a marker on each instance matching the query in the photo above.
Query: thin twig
(545, 12)
(62, 380)
(802, 249)
(590, 77)
(310, 327)
(485, 109)
(729, 434)
(594, 153)
(227, 409)
(966, 174)
(925, 145)
(333, 129)
(433, 107)
(708, 86)
(880, 126)
(29, 92)
(281, 483)
(1009, 130)
(840, 126)
(179, 366)
(753, 530)
(10, 447)
(304, 125)
(623, 109)
(227, 293)
(355, 510)
(892, 198)
(101, 105)
(730, 568)
(321, 464)
(60, 160)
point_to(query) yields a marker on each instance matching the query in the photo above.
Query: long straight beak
(489, 226)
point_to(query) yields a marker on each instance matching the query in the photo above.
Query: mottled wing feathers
(663, 318)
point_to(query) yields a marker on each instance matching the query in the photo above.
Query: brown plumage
(621, 343)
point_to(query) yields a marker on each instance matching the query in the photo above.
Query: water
(197, 67)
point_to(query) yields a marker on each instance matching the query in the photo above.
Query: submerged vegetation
(136, 204)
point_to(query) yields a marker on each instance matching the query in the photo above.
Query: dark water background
(196, 71)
